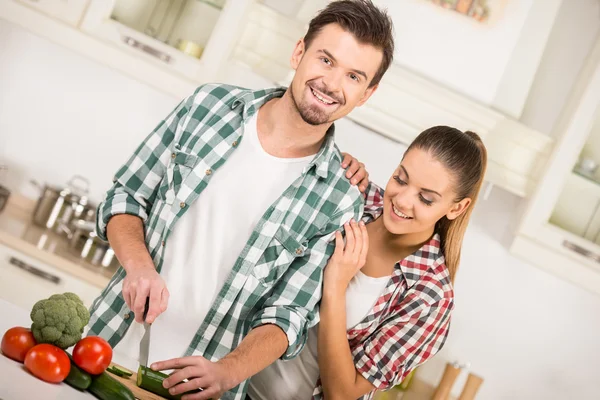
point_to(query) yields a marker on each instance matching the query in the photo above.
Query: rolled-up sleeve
(135, 184)
(402, 343)
(373, 197)
(293, 304)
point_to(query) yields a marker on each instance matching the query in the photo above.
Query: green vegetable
(106, 388)
(59, 320)
(77, 378)
(115, 372)
(152, 381)
(124, 371)
(119, 371)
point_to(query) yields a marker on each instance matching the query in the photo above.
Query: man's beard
(312, 115)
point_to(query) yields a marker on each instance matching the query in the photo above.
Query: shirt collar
(252, 100)
(423, 261)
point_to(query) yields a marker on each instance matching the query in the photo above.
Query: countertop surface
(18, 232)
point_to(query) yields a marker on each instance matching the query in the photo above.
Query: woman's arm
(339, 377)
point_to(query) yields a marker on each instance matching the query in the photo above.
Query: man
(224, 215)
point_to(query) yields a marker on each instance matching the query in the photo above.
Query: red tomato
(16, 342)
(92, 354)
(48, 362)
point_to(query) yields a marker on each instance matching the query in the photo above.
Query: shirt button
(235, 143)
(173, 156)
(182, 204)
(126, 316)
(208, 172)
(298, 251)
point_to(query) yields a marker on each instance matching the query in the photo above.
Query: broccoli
(59, 320)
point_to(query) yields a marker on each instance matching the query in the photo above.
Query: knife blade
(145, 342)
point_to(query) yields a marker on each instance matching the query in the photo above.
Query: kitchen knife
(145, 342)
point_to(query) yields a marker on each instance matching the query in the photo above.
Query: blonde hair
(465, 156)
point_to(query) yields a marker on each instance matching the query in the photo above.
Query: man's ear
(458, 208)
(297, 54)
(367, 94)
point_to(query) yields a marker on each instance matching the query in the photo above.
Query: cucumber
(77, 378)
(121, 370)
(115, 372)
(106, 388)
(152, 381)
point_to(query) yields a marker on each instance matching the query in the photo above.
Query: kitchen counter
(18, 232)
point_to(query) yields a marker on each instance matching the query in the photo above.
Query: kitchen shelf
(592, 182)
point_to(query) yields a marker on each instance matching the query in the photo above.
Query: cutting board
(130, 382)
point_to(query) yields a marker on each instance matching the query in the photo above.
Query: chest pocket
(179, 168)
(277, 257)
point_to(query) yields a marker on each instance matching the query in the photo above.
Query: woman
(387, 291)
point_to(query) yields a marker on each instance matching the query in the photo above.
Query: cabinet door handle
(581, 250)
(147, 49)
(34, 271)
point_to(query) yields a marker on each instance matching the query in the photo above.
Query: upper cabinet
(577, 209)
(270, 33)
(176, 45)
(560, 229)
(191, 38)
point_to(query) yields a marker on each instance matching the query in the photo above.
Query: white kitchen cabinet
(159, 31)
(252, 41)
(578, 207)
(26, 280)
(69, 11)
(559, 225)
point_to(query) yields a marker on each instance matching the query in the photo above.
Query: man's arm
(126, 237)
(292, 305)
(121, 216)
(259, 349)
(278, 329)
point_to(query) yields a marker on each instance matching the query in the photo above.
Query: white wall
(530, 335)
(492, 62)
(575, 31)
(62, 114)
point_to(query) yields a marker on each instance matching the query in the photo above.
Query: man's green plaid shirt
(277, 278)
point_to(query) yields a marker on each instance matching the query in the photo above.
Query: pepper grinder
(445, 386)
(471, 387)
(4, 192)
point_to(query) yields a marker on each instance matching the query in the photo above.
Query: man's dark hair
(363, 19)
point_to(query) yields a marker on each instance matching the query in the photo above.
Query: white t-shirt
(296, 379)
(207, 241)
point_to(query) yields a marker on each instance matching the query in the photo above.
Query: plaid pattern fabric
(277, 278)
(409, 322)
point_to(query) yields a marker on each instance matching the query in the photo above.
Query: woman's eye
(326, 60)
(425, 201)
(400, 181)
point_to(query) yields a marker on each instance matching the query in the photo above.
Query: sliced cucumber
(121, 370)
(152, 381)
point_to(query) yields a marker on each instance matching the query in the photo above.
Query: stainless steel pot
(4, 195)
(86, 244)
(58, 207)
(4, 192)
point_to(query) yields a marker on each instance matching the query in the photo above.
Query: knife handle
(146, 309)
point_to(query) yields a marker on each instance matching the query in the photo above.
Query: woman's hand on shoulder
(349, 256)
